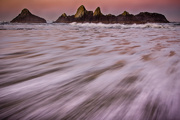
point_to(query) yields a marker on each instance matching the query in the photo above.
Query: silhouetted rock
(125, 13)
(97, 12)
(64, 15)
(63, 19)
(127, 18)
(80, 12)
(145, 17)
(82, 15)
(111, 18)
(99, 17)
(27, 17)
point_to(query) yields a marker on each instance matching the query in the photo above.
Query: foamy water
(90, 71)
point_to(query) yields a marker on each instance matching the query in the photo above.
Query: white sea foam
(90, 71)
(122, 26)
(56, 26)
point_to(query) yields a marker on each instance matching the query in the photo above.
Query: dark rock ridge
(82, 15)
(27, 17)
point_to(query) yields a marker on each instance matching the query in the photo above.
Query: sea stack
(82, 15)
(81, 11)
(97, 12)
(145, 17)
(62, 19)
(127, 18)
(99, 17)
(27, 17)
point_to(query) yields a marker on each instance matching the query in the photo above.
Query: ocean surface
(87, 71)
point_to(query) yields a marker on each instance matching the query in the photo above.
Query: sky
(52, 9)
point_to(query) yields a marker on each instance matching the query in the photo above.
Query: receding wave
(89, 71)
(57, 26)
(122, 26)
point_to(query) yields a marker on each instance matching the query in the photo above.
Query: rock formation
(111, 18)
(125, 13)
(99, 17)
(63, 19)
(81, 11)
(64, 15)
(97, 12)
(27, 17)
(145, 17)
(82, 15)
(127, 18)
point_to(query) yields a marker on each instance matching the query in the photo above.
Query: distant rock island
(27, 17)
(82, 15)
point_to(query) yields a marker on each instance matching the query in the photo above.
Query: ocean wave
(122, 26)
(57, 26)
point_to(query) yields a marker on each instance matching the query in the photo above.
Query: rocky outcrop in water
(97, 12)
(151, 17)
(63, 18)
(82, 15)
(27, 17)
(99, 17)
(127, 18)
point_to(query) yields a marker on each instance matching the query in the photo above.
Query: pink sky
(52, 9)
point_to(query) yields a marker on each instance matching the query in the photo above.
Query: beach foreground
(90, 71)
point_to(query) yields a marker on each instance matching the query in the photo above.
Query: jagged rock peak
(97, 12)
(82, 7)
(64, 15)
(25, 12)
(125, 13)
(82, 15)
(80, 11)
(27, 17)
